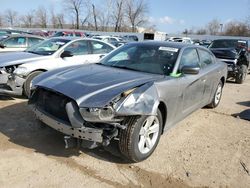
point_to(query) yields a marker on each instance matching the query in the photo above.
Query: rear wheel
(139, 140)
(217, 96)
(27, 83)
(241, 75)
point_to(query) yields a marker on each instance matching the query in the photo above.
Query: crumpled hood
(225, 53)
(93, 85)
(16, 58)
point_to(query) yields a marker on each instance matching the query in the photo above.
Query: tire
(26, 85)
(217, 96)
(136, 142)
(241, 75)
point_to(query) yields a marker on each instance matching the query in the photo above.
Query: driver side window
(189, 58)
(78, 48)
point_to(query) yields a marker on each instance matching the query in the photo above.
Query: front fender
(143, 101)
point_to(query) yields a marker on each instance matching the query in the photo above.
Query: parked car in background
(205, 43)
(69, 34)
(130, 38)
(17, 70)
(172, 39)
(41, 33)
(18, 42)
(116, 41)
(184, 40)
(234, 52)
(11, 31)
(132, 95)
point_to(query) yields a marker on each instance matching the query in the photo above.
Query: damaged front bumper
(83, 132)
(11, 84)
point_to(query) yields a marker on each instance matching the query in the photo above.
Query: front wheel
(139, 140)
(27, 83)
(217, 96)
(241, 75)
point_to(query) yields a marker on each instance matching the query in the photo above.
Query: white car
(116, 41)
(18, 69)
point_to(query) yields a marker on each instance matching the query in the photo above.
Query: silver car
(18, 42)
(132, 95)
(17, 69)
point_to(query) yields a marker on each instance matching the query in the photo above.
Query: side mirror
(190, 70)
(101, 56)
(66, 54)
(2, 45)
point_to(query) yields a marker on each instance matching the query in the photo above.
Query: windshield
(148, 58)
(47, 47)
(225, 44)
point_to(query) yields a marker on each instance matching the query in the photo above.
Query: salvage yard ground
(209, 148)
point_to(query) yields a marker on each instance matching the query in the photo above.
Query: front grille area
(51, 102)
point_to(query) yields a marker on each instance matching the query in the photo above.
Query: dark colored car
(235, 53)
(132, 95)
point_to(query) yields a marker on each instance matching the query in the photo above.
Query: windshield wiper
(123, 67)
(32, 52)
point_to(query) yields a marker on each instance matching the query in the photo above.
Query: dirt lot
(210, 148)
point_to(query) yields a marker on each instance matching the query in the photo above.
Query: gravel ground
(210, 148)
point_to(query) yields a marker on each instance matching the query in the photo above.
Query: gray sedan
(14, 43)
(132, 95)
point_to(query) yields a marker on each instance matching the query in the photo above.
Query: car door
(192, 84)
(98, 49)
(208, 74)
(80, 51)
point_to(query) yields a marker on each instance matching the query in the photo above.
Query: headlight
(98, 114)
(21, 71)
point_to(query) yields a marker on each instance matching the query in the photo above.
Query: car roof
(165, 43)
(23, 35)
(80, 38)
(230, 39)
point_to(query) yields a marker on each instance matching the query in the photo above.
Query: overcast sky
(171, 16)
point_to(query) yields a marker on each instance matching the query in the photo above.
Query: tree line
(111, 15)
(230, 28)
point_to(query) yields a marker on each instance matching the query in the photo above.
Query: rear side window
(205, 58)
(189, 58)
(78, 48)
(100, 48)
(33, 41)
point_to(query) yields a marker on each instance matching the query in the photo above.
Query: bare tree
(118, 14)
(75, 7)
(1, 20)
(28, 19)
(11, 17)
(61, 20)
(104, 17)
(42, 17)
(136, 10)
(235, 28)
(53, 18)
(201, 31)
(213, 27)
(94, 16)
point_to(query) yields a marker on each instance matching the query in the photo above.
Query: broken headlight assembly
(98, 114)
(21, 71)
(106, 114)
